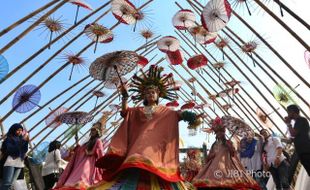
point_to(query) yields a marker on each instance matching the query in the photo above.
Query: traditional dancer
(144, 152)
(223, 169)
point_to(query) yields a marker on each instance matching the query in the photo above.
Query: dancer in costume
(81, 172)
(144, 152)
(223, 169)
(192, 164)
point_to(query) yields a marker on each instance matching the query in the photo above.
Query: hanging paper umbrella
(197, 61)
(184, 19)
(40, 153)
(79, 3)
(201, 35)
(103, 67)
(215, 15)
(174, 57)
(26, 98)
(232, 83)
(75, 60)
(249, 48)
(188, 105)
(114, 82)
(168, 43)
(194, 92)
(4, 67)
(124, 11)
(307, 59)
(213, 98)
(236, 126)
(263, 118)
(53, 119)
(98, 33)
(284, 95)
(202, 106)
(146, 35)
(221, 44)
(54, 26)
(226, 107)
(98, 94)
(173, 104)
(218, 66)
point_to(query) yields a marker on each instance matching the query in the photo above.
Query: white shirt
(17, 163)
(271, 148)
(53, 162)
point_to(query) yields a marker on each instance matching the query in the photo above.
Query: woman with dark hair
(53, 165)
(81, 173)
(14, 146)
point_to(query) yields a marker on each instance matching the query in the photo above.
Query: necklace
(149, 110)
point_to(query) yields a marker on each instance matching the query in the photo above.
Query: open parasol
(98, 33)
(80, 3)
(55, 26)
(40, 153)
(98, 94)
(174, 57)
(26, 98)
(173, 104)
(114, 82)
(284, 95)
(215, 15)
(103, 67)
(221, 44)
(184, 19)
(123, 11)
(188, 105)
(4, 67)
(249, 48)
(76, 62)
(263, 117)
(218, 66)
(168, 43)
(197, 61)
(53, 120)
(236, 126)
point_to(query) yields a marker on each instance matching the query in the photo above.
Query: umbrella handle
(233, 133)
(120, 79)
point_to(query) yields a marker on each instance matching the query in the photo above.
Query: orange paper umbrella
(188, 105)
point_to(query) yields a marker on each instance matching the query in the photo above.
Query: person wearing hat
(14, 148)
(81, 172)
(144, 151)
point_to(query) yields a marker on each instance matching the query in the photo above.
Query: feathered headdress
(164, 84)
(217, 125)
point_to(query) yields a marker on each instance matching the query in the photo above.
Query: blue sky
(160, 14)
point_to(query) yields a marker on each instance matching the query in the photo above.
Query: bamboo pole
(299, 39)
(273, 71)
(20, 21)
(56, 39)
(25, 32)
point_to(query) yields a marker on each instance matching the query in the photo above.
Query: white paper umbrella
(215, 15)
(168, 43)
(183, 19)
(124, 11)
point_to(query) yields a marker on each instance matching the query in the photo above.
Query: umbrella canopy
(197, 61)
(124, 11)
(81, 4)
(98, 33)
(168, 43)
(173, 104)
(215, 15)
(53, 120)
(4, 67)
(284, 95)
(188, 105)
(114, 82)
(114, 107)
(263, 118)
(26, 98)
(174, 57)
(201, 35)
(236, 126)
(76, 117)
(184, 19)
(103, 67)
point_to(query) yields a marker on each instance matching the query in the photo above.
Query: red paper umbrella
(174, 57)
(142, 61)
(189, 105)
(80, 3)
(53, 120)
(249, 48)
(168, 43)
(307, 58)
(124, 11)
(173, 104)
(215, 15)
(232, 83)
(218, 66)
(221, 44)
(202, 36)
(197, 61)
(184, 19)
(98, 33)
(201, 106)
(75, 60)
